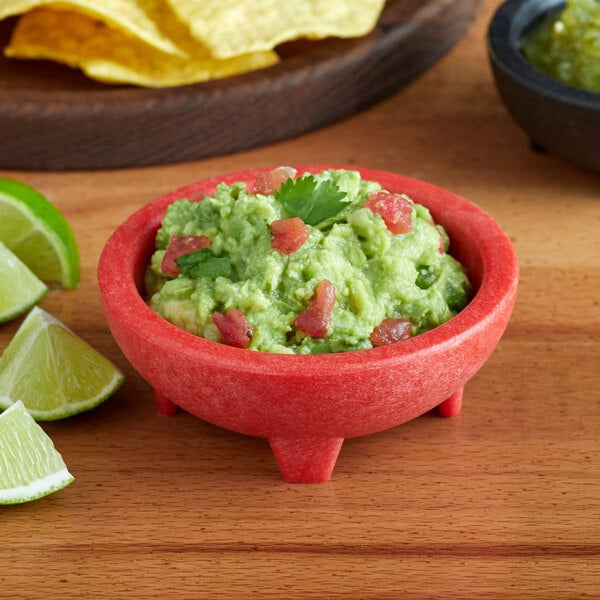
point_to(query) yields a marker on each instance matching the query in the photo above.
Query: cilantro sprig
(311, 200)
(202, 262)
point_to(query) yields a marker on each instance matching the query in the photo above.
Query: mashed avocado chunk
(566, 45)
(315, 264)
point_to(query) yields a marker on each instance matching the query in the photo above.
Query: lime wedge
(53, 371)
(20, 289)
(35, 230)
(30, 465)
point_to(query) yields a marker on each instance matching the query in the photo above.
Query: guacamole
(312, 264)
(566, 45)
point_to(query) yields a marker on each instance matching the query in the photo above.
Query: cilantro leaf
(202, 262)
(310, 200)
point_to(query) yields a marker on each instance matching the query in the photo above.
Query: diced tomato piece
(269, 181)
(316, 319)
(263, 184)
(289, 234)
(394, 209)
(390, 331)
(233, 327)
(178, 246)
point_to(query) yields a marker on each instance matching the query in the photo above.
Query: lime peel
(37, 489)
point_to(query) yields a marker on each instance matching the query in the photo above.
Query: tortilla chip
(232, 28)
(108, 55)
(137, 18)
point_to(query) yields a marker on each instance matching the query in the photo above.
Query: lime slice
(30, 465)
(35, 230)
(20, 289)
(53, 371)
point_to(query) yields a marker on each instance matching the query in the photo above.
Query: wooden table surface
(502, 501)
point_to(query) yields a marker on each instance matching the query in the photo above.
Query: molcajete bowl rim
(121, 285)
(505, 31)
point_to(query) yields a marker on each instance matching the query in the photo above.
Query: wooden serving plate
(54, 118)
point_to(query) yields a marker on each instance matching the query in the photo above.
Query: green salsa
(566, 46)
(246, 264)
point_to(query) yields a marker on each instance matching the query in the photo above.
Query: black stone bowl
(558, 118)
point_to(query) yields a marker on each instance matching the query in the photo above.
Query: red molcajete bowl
(306, 405)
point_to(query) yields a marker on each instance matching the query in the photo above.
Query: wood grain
(53, 118)
(501, 502)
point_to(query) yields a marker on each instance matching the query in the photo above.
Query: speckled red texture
(306, 405)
